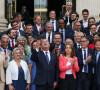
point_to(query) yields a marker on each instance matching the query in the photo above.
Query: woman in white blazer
(17, 74)
(3, 64)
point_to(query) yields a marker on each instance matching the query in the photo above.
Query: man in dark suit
(14, 25)
(38, 28)
(47, 71)
(86, 62)
(84, 21)
(52, 19)
(96, 70)
(49, 34)
(66, 14)
(12, 38)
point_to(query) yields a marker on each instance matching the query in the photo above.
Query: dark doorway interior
(30, 7)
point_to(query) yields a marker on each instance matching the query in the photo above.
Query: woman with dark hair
(95, 37)
(68, 66)
(32, 65)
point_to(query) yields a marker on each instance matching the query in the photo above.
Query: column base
(3, 25)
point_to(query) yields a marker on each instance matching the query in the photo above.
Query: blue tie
(85, 66)
(47, 57)
(53, 26)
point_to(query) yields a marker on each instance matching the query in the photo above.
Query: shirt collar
(84, 49)
(84, 21)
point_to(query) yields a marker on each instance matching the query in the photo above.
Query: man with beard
(12, 38)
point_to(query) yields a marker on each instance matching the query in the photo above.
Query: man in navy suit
(86, 61)
(47, 73)
(49, 34)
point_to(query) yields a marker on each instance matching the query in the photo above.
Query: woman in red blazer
(68, 65)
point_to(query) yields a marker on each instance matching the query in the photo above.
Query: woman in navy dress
(17, 74)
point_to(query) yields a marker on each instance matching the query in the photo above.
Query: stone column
(92, 5)
(3, 21)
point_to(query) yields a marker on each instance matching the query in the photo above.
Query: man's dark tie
(12, 44)
(85, 66)
(49, 37)
(78, 46)
(53, 26)
(62, 34)
(47, 58)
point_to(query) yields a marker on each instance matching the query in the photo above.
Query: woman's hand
(11, 87)
(73, 62)
(28, 86)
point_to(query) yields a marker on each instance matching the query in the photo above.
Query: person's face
(57, 39)
(52, 15)
(29, 29)
(93, 29)
(5, 36)
(68, 6)
(17, 54)
(79, 35)
(97, 46)
(68, 41)
(49, 28)
(19, 18)
(61, 24)
(77, 26)
(15, 25)
(12, 34)
(91, 21)
(95, 37)
(45, 44)
(21, 41)
(34, 45)
(73, 17)
(75, 37)
(84, 43)
(38, 20)
(85, 15)
(4, 43)
(0, 42)
(30, 39)
(68, 49)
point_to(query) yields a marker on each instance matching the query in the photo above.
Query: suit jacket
(82, 27)
(3, 64)
(45, 73)
(97, 70)
(80, 62)
(63, 68)
(90, 39)
(35, 31)
(66, 20)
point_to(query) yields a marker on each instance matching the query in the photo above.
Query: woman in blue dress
(32, 66)
(17, 74)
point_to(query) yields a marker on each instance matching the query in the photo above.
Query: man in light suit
(47, 73)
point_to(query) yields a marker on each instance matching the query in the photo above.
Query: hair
(13, 22)
(32, 45)
(68, 2)
(4, 38)
(92, 25)
(58, 33)
(48, 23)
(85, 38)
(29, 25)
(70, 39)
(17, 49)
(76, 22)
(96, 33)
(37, 16)
(9, 30)
(72, 53)
(51, 11)
(23, 39)
(91, 18)
(98, 40)
(85, 10)
(77, 15)
(16, 15)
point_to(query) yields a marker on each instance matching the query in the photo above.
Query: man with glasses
(86, 61)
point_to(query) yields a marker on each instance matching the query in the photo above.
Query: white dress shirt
(47, 54)
(63, 34)
(83, 58)
(13, 42)
(47, 35)
(85, 24)
(38, 27)
(54, 25)
(12, 71)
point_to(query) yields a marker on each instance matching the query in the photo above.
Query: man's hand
(55, 84)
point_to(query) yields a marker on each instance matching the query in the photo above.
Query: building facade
(42, 7)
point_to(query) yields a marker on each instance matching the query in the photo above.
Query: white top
(83, 58)
(38, 27)
(12, 71)
(70, 70)
(54, 24)
(47, 35)
(13, 42)
(47, 53)
(85, 24)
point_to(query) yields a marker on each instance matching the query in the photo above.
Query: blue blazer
(46, 73)
(80, 62)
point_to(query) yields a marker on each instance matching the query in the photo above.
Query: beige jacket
(3, 64)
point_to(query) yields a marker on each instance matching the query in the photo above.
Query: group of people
(61, 54)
